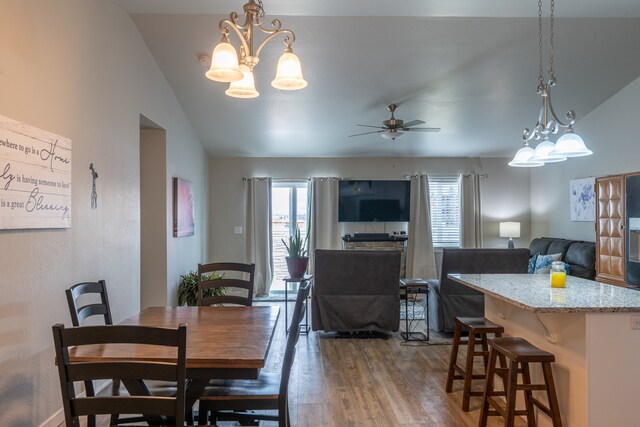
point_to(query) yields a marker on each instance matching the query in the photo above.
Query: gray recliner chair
(449, 299)
(356, 291)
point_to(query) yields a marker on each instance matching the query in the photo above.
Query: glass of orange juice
(558, 275)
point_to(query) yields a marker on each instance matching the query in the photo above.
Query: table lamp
(510, 230)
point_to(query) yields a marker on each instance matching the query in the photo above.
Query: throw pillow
(532, 263)
(543, 263)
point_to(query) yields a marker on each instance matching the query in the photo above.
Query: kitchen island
(587, 326)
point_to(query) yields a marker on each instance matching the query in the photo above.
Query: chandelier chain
(540, 69)
(552, 77)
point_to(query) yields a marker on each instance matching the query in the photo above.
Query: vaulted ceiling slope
(472, 72)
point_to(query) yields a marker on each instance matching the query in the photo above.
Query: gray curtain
(421, 262)
(471, 211)
(324, 231)
(258, 232)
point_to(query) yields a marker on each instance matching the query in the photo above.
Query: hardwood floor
(346, 382)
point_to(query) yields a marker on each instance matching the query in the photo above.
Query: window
(445, 198)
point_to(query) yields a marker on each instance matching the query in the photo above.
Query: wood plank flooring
(345, 382)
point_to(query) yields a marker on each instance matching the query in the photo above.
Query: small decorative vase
(297, 266)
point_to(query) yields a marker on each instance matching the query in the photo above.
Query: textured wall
(80, 69)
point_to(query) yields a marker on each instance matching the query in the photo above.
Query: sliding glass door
(289, 200)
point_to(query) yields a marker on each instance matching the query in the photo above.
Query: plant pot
(297, 266)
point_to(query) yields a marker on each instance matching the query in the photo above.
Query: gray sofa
(449, 299)
(356, 291)
(580, 255)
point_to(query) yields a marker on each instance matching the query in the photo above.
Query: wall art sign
(35, 177)
(183, 222)
(582, 198)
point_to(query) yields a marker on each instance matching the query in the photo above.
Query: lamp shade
(571, 145)
(392, 134)
(509, 229)
(224, 64)
(522, 158)
(289, 72)
(543, 153)
(244, 88)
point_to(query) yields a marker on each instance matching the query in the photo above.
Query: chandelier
(569, 144)
(225, 66)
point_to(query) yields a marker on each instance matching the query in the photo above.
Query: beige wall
(611, 132)
(80, 69)
(505, 190)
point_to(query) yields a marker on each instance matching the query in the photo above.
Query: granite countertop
(532, 292)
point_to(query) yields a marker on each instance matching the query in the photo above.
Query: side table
(305, 327)
(414, 286)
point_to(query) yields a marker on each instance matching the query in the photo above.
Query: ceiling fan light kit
(568, 145)
(228, 68)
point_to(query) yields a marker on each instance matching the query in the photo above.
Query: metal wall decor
(94, 193)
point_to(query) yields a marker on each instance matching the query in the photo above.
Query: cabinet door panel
(610, 252)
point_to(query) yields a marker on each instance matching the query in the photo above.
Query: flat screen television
(374, 201)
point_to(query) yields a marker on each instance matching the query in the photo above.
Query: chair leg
(488, 388)
(511, 394)
(454, 356)
(203, 411)
(528, 396)
(551, 395)
(468, 372)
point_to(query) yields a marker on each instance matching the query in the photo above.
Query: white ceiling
(461, 66)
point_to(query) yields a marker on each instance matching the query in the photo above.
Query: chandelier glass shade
(392, 134)
(229, 67)
(569, 144)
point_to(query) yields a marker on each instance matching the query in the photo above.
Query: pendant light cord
(552, 77)
(540, 70)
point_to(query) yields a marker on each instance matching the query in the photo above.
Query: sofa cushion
(532, 263)
(559, 246)
(581, 256)
(540, 245)
(543, 263)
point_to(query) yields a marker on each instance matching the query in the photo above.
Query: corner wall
(79, 68)
(505, 191)
(611, 132)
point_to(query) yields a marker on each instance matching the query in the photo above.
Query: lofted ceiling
(469, 67)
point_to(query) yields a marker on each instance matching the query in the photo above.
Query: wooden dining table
(222, 342)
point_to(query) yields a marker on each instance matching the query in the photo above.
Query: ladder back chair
(168, 410)
(234, 276)
(80, 312)
(268, 392)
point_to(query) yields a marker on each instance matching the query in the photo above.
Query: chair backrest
(235, 276)
(80, 312)
(290, 350)
(71, 372)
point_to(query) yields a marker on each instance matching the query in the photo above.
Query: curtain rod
(245, 178)
(466, 175)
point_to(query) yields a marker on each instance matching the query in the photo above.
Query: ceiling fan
(395, 128)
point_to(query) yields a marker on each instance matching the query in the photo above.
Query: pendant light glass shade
(543, 154)
(289, 72)
(244, 88)
(522, 158)
(224, 64)
(571, 145)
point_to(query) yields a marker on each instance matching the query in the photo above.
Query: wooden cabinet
(610, 230)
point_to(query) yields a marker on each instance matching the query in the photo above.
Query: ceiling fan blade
(369, 126)
(367, 133)
(413, 123)
(422, 129)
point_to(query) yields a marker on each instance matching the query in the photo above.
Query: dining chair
(233, 276)
(80, 312)
(225, 399)
(162, 410)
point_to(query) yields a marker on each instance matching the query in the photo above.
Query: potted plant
(297, 260)
(188, 288)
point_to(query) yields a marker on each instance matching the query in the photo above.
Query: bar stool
(477, 327)
(520, 353)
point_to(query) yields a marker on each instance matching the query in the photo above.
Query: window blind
(445, 198)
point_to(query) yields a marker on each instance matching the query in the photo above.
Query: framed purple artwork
(183, 222)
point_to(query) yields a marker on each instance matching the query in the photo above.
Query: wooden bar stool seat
(478, 328)
(520, 353)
